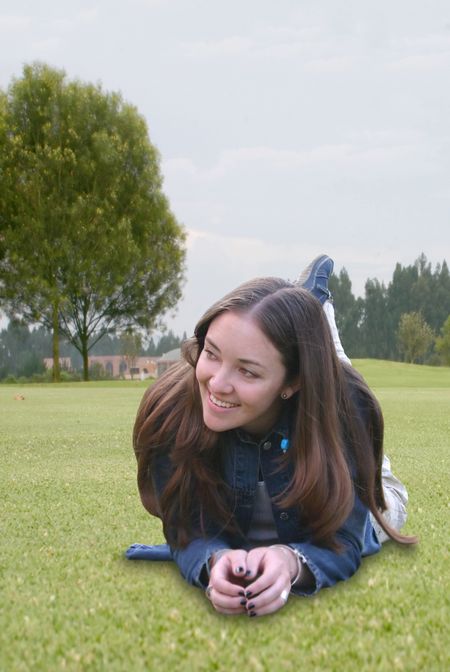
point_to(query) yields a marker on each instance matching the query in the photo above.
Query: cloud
(229, 46)
(359, 158)
(421, 53)
(14, 22)
(47, 45)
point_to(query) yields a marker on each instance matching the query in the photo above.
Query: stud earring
(284, 396)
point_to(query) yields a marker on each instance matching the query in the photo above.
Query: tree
(374, 328)
(88, 243)
(349, 311)
(443, 342)
(131, 348)
(415, 336)
(21, 352)
(167, 342)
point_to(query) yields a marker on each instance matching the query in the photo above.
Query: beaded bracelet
(298, 557)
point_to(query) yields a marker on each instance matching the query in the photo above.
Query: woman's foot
(315, 277)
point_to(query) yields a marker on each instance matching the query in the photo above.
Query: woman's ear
(290, 390)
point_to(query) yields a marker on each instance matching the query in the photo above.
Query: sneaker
(315, 277)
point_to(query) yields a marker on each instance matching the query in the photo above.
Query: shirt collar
(281, 428)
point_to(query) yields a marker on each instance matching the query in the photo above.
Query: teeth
(222, 404)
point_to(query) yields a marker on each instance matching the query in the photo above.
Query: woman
(262, 451)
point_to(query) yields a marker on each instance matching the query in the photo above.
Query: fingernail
(239, 569)
(241, 593)
(252, 613)
(250, 606)
(248, 593)
(243, 602)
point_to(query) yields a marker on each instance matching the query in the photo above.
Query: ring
(284, 596)
(208, 592)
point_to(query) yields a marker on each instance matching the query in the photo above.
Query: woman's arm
(193, 559)
(357, 538)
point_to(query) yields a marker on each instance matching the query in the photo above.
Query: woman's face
(241, 376)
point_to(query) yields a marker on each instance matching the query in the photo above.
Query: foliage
(70, 600)
(369, 326)
(349, 312)
(21, 351)
(415, 336)
(443, 342)
(97, 372)
(88, 242)
(167, 342)
(131, 348)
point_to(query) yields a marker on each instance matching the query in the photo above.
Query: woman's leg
(315, 278)
(396, 498)
(328, 309)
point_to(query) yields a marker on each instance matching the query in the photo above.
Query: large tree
(88, 243)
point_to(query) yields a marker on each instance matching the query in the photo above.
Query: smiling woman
(262, 452)
(241, 376)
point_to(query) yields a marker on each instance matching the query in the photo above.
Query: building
(120, 366)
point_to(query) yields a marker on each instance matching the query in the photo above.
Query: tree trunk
(84, 353)
(56, 366)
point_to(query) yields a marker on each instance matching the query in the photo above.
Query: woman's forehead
(239, 333)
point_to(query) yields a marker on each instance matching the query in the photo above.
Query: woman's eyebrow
(211, 343)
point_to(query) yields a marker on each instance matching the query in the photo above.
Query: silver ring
(284, 596)
(208, 592)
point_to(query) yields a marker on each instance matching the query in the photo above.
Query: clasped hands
(255, 582)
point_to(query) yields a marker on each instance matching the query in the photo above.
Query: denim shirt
(242, 459)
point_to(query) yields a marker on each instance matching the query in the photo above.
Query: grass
(70, 601)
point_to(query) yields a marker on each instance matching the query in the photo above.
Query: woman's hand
(226, 588)
(272, 570)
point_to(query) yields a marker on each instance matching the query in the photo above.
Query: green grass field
(70, 601)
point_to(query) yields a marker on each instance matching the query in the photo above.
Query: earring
(284, 396)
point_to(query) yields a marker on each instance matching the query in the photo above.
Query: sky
(286, 128)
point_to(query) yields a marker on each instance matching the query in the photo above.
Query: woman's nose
(220, 383)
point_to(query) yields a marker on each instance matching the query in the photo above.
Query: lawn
(70, 601)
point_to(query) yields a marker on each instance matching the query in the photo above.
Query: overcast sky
(286, 128)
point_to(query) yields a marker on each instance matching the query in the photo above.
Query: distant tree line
(23, 350)
(407, 320)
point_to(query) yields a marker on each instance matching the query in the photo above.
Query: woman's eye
(248, 374)
(209, 354)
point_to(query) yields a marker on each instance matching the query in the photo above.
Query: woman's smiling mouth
(220, 403)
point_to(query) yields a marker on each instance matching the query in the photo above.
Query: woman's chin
(218, 424)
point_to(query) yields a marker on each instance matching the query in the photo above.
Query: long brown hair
(336, 443)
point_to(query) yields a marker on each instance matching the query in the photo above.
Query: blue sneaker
(315, 277)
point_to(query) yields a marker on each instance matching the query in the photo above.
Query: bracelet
(298, 557)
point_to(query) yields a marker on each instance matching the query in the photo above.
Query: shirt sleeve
(356, 537)
(192, 559)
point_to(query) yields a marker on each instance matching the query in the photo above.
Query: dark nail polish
(243, 602)
(241, 593)
(251, 606)
(239, 570)
(252, 613)
(248, 593)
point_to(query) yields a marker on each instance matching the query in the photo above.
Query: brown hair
(333, 446)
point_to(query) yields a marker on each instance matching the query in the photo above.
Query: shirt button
(284, 515)
(267, 445)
